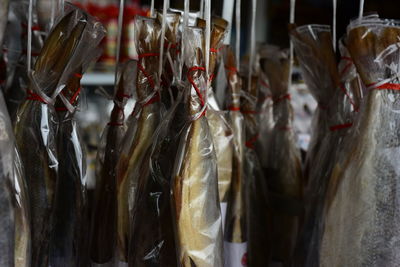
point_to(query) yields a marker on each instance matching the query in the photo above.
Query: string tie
(196, 88)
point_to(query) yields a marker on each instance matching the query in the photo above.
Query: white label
(235, 254)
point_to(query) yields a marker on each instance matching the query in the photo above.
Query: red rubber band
(214, 50)
(195, 68)
(340, 127)
(250, 143)
(152, 100)
(140, 66)
(232, 70)
(35, 97)
(386, 86)
(78, 75)
(347, 58)
(279, 99)
(234, 108)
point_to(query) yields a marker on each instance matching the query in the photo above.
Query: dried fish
(197, 216)
(104, 222)
(361, 226)
(140, 132)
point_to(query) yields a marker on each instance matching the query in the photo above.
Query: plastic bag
(195, 200)
(143, 122)
(343, 110)
(235, 232)
(284, 171)
(361, 223)
(14, 210)
(36, 124)
(313, 47)
(104, 220)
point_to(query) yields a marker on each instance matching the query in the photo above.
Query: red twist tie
(340, 127)
(35, 97)
(232, 70)
(234, 108)
(140, 66)
(152, 100)
(250, 143)
(214, 50)
(386, 86)
(279, 99)
(195, 86)
(78, 75)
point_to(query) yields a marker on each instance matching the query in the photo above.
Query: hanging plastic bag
(104, 220)
(313, 47)
(284, 171)
(143, 122)
(361, 205)
(343, 110)
(257, 211)
(36, 124)
(195, 200)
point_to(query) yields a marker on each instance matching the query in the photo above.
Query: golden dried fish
(361, 225)
(104, 221)
(195, 199)
(148, 45)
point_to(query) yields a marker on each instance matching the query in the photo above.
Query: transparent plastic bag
(14, 210)
(361, 208)
(143, 122)
(195, 199)
(104, 220)
(152, 240)
(36, 124)
(284, 173)
(343, 109)
(313, 47)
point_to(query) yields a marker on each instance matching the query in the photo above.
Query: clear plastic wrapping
(4, 19)
(195, 200)
(144, 120)
(235, 232)
(313, 47)
(361, 225)
(36, 126)
(104, 218)
(343, 109)
(283, 170)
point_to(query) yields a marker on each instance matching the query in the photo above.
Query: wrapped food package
(36, 123)
(313, 47)
(361, 205)
(343, 110)
(235, 232)
(152, 236)
(195, 199)
(143, 122)
(104, 220)
(284, 171)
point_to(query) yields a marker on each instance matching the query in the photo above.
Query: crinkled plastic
(104, 218)
(343, 109)
(152, 240)
(195, 200)
(283, 172)
(361, 225)
(257, 212)
(36, 124)
(235, 232)
(140, 131)
(313, 47)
